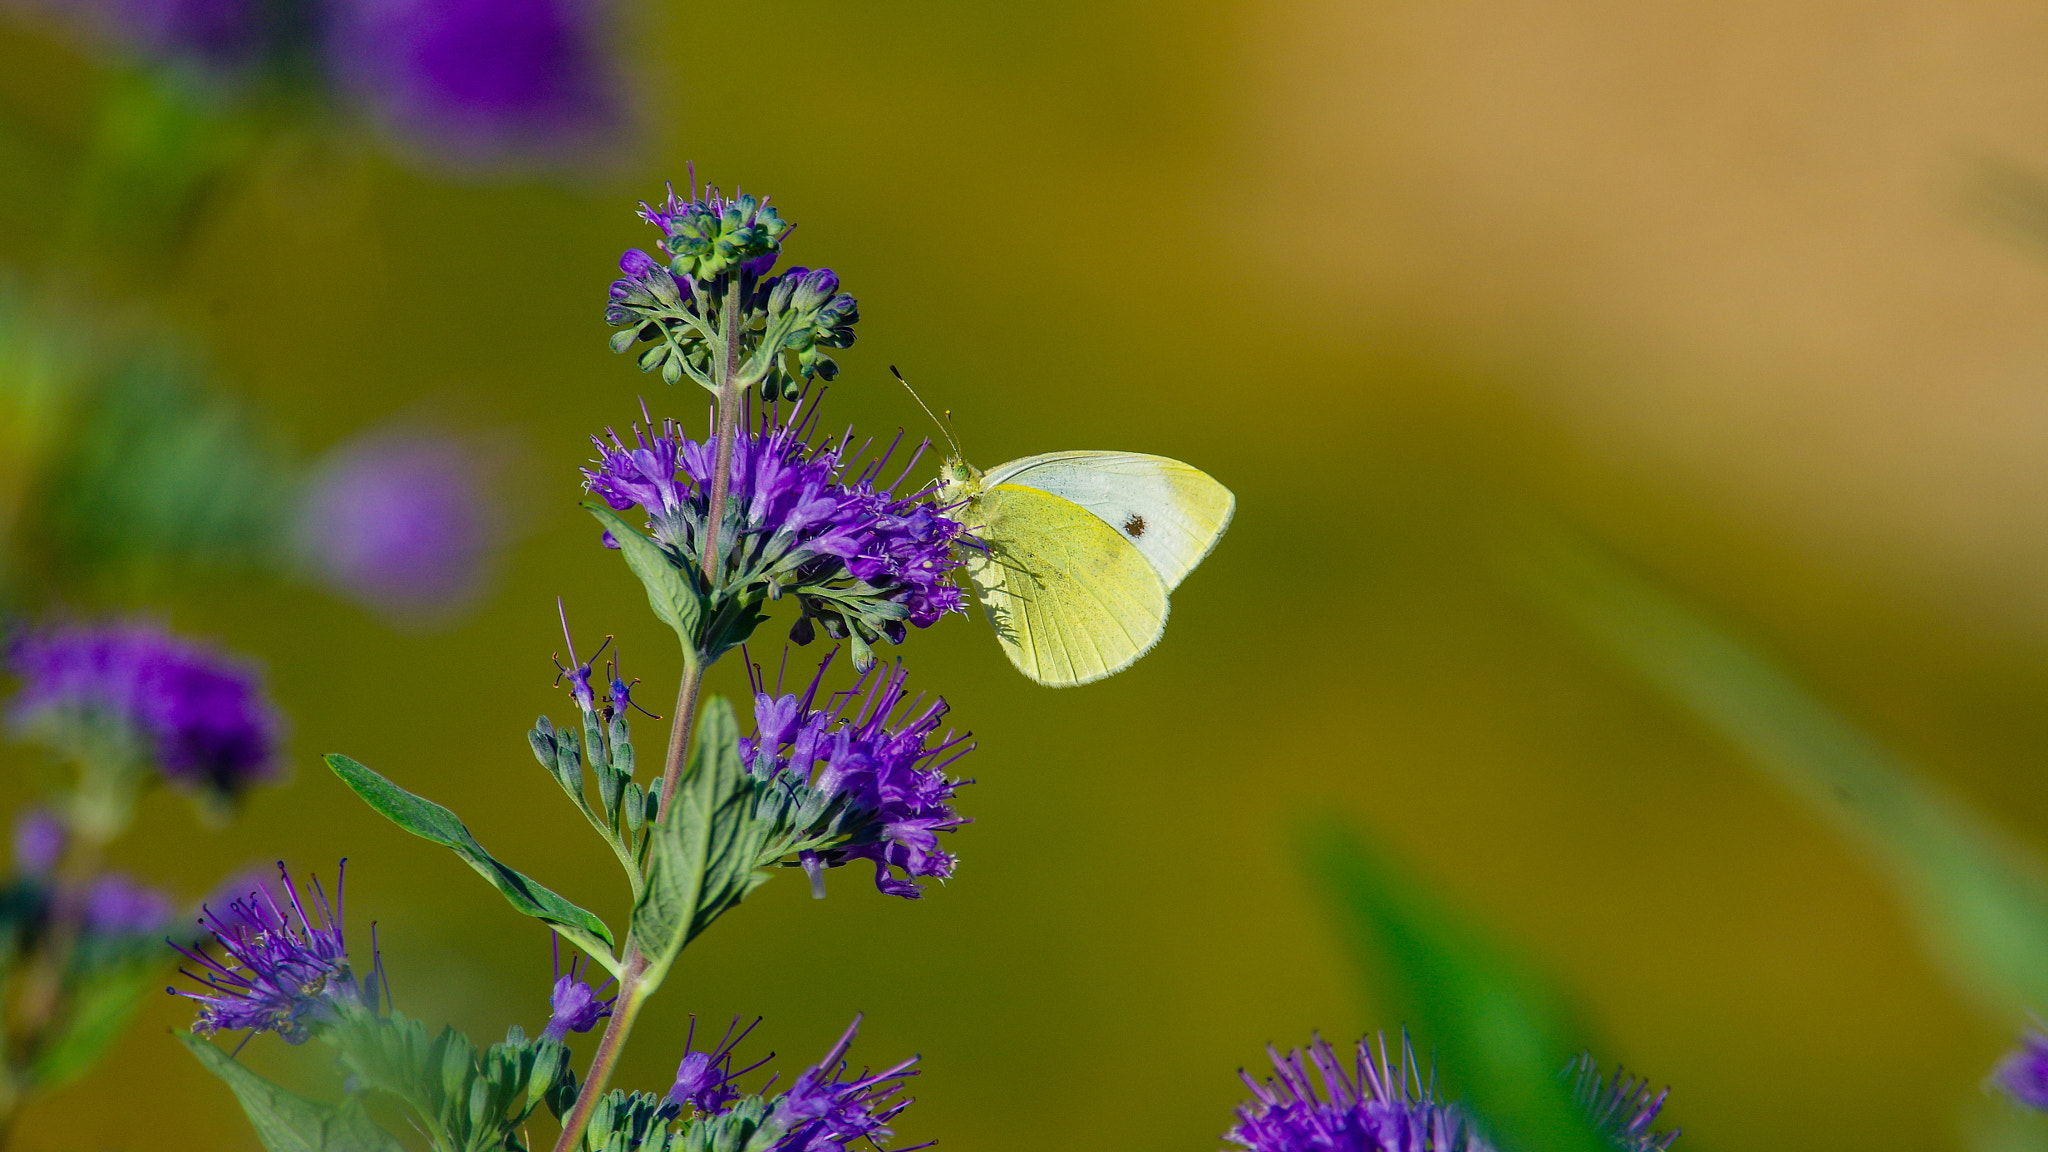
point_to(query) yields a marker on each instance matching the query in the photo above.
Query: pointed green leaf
(706, 848)
(286, 1121)
(669, 591)
(1981, 896)
(430, 821)
(1502, 1033)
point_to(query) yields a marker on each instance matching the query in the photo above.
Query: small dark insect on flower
(1135, 526)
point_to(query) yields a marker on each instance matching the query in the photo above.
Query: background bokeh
(1727, 286)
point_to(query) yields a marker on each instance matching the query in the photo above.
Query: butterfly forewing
(1173, 513)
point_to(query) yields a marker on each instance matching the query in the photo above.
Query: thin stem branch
(624, 1011)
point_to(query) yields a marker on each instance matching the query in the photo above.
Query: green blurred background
(1713, 282)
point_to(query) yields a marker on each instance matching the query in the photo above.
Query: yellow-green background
(1710, 279)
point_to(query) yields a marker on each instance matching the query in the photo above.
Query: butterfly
(1079, 550)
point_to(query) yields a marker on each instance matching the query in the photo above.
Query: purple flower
(708, 234)
(479, 83)
(705, 1080)
(1377, 1106)
(1623, 1112)
(199, 716)
(117, 906)
(574, 1006)
(38, 842)
(802, 519)
(827, 1111)
(2023, 1074)
(893, 783)
(281, 972)
(399, 520)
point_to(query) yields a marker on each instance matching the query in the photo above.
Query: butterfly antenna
(943, 430)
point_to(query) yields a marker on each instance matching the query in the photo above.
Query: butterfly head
(958, 480)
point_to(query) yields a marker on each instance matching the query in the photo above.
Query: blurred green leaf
(1500, 1031)
(430, 821)
(286, 1121)
(1981, 897)
(99, 1010)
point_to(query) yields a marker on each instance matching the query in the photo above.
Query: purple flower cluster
(799, 516)
(281, 972)
(399, 520)
(574, 1006)
(2023, 1074)
(827, 1111)
(708, 234)
(898, 797)
(1377, 1106)
(200, 716)
(705, 1080)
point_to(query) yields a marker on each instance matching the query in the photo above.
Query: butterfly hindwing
(1072, 600)
(1173, 513)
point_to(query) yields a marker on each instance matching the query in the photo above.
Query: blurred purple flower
(826, 1112)
(117, 906)
(2023, 1074)
(474, 83)
(217, 38)
(200, 716)
(1622, 1112)
(1377, 1107)
(281, 971)
(38, 842)
(399, 520)
(898, 796)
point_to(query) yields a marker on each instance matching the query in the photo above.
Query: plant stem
(624, 1011)
(728, 424)
(679, 732)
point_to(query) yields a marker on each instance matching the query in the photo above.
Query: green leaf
(1502, 1032)
(286, 1121)
(706, 848)
(430, 821)
(669, 591)
(1980, 896)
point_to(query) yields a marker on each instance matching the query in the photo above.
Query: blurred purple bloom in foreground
(280, 970)
(1378, 1106)
(38, 842)
(2023, 1074)
(898, 794)
(481, 82)
(1623, 1111)
(117, 906)
(825, 1111)
(200, 716)
(400, 521)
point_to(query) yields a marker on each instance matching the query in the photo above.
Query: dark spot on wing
(1135, 526)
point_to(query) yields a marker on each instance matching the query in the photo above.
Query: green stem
(631, 994)
(728, 425)
(679, 732)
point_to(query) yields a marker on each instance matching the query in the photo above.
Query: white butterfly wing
(1173, 512)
